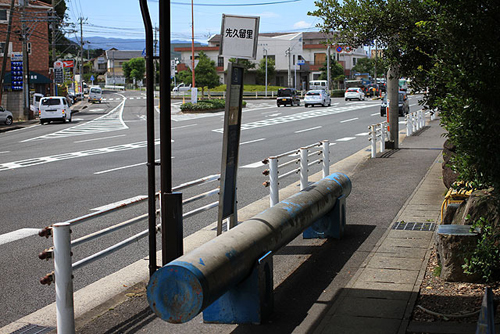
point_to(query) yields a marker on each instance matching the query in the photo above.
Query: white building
(288, 50)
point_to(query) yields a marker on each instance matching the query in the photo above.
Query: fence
(378, 132)
(415, 121)
(319, 149)
(63, 246)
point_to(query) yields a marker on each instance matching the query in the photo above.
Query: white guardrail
(63, 247)
(299, 157)
(378, 133)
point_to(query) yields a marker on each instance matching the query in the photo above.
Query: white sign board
(239, 36)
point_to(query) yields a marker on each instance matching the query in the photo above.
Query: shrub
(213, 105)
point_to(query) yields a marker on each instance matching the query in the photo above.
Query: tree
(247, 64)
(184, 76)
(261, 71)
(336, 71)
(205, 72)
(448, 46)
(134, 69)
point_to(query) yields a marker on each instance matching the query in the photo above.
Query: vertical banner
(231, 145)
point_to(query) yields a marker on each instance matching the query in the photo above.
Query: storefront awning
(35, 78)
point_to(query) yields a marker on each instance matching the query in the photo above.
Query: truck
(35, 103)
(182, 88)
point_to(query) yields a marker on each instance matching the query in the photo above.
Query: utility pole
(265, 82)
(192, 44)
(26, 69)
(288, 52)
(328, 75)
(81, 55)
(53, 25)
(6, 50)
(392, 101)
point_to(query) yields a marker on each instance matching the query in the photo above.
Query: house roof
(306, 35)
(123, 54)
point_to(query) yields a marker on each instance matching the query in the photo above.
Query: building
(34, 17)
(114, 60)
(298, 57)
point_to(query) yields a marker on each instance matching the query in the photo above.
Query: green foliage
(485, 258)
(261, 71)
(338, 93)
(247, 64)
(367, 65)
(134, 69)
(336, 71)
(213, 105)
(249, 88)
(184, 76)
(449, 48)
(205, 72)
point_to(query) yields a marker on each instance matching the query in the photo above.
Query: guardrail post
(422, 119)
(326, 158)
(408, 124)
(303, 168)
(373, 139)
(382, 137)
(274, 195)
(63, 278)
(413, 122)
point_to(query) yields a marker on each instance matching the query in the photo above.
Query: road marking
(331, 144)
(95, 110)
(72, 155)
(4, 152)
(120, 168)
(310, 129)
(184, 126)
(297, 117)
(346, 138)
(254, 165)
(115, 204)
(17, 235)
(362, 134)
(349, 120)
(273, 115)
(102, 138)
(253, 141)
(375, 114)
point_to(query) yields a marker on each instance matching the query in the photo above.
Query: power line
(234, 5)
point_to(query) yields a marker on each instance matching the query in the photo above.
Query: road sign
(68, 63)
(339, 49)
(58, 75)
(239, 36)
(92, 78)
(301, 62)
(16, 56)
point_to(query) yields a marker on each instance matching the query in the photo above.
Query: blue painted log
(184, 287)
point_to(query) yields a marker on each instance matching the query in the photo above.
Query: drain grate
(389, 153)
(413, 226)
(33, 329)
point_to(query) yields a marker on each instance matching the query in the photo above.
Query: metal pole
(326, 158)
(328, 75)
(274, 195)
(265, 83)
(303, 168)
(150, 134)
(171, 204)
(192, 43)
(63, 278)
(7, 50)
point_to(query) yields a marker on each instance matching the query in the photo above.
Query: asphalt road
(56, 172)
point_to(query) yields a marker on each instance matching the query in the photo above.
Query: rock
(481, 203)
(452, 243)
(449, 176)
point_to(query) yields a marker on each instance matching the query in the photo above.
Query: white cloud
(302, 25)
(268, 15)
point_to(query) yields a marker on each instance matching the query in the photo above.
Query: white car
(319, 96)
(354, 93)
(54, 108)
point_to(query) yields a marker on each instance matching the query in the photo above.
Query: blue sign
(301, 62)
(16, 75)
(339, 49)
(91, 78)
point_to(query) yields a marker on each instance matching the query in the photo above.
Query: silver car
(321, 97)
(5, 116)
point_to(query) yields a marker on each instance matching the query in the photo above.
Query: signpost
(239, 40)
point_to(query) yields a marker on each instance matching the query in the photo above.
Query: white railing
(63, 246)
(299, 158)
(378, 133)
(415, 121)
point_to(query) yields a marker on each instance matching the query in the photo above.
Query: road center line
(253, 141)
(119, 168)
(349, 120)
(310, 129)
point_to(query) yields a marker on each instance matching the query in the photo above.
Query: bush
(213, 105)
(338, 93)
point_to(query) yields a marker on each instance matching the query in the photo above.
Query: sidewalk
(367, 282)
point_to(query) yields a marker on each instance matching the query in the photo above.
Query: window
(2, 48)
(220, 61)
(4, 15)
(354, 61)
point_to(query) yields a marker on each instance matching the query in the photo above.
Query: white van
(54, 108)
(35, 103)
(318, 85)
(95, 94)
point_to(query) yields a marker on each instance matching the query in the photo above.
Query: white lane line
(119, 168)
(375, 114)
(272, 115)
(362, 134)
(184, 126)
(331, 144)
(4, 152)
(346, 138)
(17, 235)
(253, 141)
(349, 120)
(254, 165)
(102, 138)
(310, 129)
(112, 205)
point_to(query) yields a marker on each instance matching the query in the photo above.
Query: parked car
(5, 116)
(54, 108)
(72, 95)
(404, 105)
(85, 88)
(320, 97)
(354, 93)
(288, 96)
(182, 88)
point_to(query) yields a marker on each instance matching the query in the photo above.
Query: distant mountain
(120, 43)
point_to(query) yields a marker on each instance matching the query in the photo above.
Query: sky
(123, 19)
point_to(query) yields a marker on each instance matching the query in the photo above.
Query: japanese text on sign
(239, 33)
(239, 36)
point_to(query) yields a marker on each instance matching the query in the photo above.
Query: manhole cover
(33, 329)
(414, 226)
